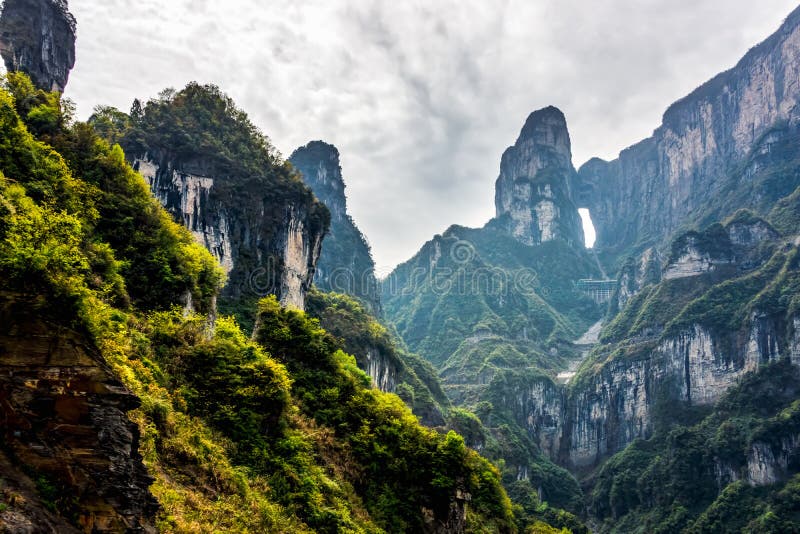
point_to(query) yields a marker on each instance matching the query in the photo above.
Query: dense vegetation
(496, 318)
(282, 433)
(496, 434)
(200, 130)
(416, 382)
(689, 477)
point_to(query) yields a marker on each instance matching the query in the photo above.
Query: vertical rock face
(609, 412)
(38, 37)
(261, 251)
(540, 405)
(346, 264)
(63, 418)
(533, 195)
(616, 406)
(769, 463)
(636, 274)
(716, 148)
(382, 370)
(318, 162)
(693, 259)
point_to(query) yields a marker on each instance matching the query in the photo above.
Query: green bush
(405, 466)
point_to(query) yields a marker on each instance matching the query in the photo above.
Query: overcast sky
(420, 97)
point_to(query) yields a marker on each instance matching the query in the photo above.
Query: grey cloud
(420, 97)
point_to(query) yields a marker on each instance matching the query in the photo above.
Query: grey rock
(533, 197)
(345, 264)
(716, 150)
(258, 257)
(37, 37)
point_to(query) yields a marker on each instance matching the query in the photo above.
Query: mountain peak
(318, 163)
(532, 193)
(346, 264)
(547, 127)
(37, 37)
(319, 148)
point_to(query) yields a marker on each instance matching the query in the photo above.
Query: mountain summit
(532, 194)
(346, 263)
(37, 37)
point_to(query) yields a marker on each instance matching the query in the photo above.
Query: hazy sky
(420, 97)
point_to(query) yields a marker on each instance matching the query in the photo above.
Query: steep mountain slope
(63, 268)
(110, 382)
(495, 310)
(346, 264)
(729, 144)
(693, 381)
(726, 306)
(222, 179)
(707, 295)
(694, 315)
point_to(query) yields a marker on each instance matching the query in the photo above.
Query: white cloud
(420, 97)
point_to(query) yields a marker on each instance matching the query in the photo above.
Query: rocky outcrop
(719, 147)
(636, 274)
(382, 369)
(37, 37)
(318, 163)
(533, 195)
(263, 248)
(616, 405)
(540, 404)
(749, 234)
(582, 423)
(768, 463)
(750, 238)
(742, 244)
(691, 258)
(608, 412)
(455, 521)
(64, 428)
(346, 264)
(765, 463)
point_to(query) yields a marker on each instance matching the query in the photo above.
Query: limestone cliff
(346, 264)
(533, 195)
(635, 274)
(694, 366)
(263, 247)
(715, 316)
(729, 144)
(219, 176)
(37, 37)
(606, 410)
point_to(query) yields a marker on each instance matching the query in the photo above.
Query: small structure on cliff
(600, 291)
